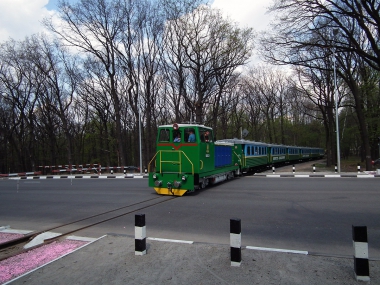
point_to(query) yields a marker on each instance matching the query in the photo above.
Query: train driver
(191, 136)
(178, 137)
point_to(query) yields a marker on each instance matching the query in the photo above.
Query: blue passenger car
(293, 153)
(277, 154)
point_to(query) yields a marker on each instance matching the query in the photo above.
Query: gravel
(15, 266)
(4, 237)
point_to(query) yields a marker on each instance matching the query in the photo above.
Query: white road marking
(278, 250)
(171, 240)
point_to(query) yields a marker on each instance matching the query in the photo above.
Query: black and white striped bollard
(140, 234)
(336, 168)
(361, 263)
(358, 167)
(273, 170)
(235, 241)
(294, 169)
(313, 168)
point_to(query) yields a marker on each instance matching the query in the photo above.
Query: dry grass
(349, 164)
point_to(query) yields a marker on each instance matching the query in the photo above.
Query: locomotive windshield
(164, 135)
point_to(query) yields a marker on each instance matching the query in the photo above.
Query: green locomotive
(188, 158)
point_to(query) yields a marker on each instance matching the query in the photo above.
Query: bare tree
(298, 22)
(94, 98)
(58, 70)
(96, 27)
(149, 28)
(206, 47)
(20, 83)
(316, 85)
(355, 73)
(252, 101)
(339, 28)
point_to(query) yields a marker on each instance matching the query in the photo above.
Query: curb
(318, 175)
(79, 177)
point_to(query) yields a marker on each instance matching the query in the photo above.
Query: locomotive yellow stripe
(173, 192)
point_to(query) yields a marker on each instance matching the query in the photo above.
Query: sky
(22, 18)
(247, 13)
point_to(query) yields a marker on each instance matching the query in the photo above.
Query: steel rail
(23, 240)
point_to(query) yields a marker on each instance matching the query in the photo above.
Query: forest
(109, 72)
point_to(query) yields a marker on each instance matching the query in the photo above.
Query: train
(188, 158)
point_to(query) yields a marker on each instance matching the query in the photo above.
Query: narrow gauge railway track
(16, 246)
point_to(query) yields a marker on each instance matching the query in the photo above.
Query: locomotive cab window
(190, 135)
(176, 136)
(164, 135)
(205, 135)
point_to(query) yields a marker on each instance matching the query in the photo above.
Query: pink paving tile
(4, 237)
(17, 265)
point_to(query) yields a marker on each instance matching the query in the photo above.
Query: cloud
(21, 18)
(247, 13)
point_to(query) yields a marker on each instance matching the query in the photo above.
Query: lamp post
(140, 136)
(335, 31)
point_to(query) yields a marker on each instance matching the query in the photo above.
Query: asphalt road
(311, 214)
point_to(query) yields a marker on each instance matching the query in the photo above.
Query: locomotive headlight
(177, 184)
(157, 183)
(184, 177)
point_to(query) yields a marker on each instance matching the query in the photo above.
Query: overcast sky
(248, 13)
(21, 18)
